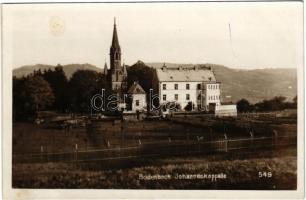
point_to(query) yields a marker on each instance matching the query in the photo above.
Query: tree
(82, 86)
(274, 104)
(38, 92)
(189, 106)
(19, 98)
(243, 105)
(142, 74)
(59, 84)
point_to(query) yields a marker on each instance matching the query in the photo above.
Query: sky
(238, 35)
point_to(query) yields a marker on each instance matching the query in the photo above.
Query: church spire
(115, 41)
(124, 70)
(105, 68)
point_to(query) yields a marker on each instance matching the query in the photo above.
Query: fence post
(275, 135)
(76, 152)
(122, 135)
(41, 153)
(252, 138)
(225, 141)
(210, 131)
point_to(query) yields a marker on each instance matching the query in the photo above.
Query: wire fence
(159, 149)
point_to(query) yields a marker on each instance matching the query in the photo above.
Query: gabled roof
(136, 89)
(185, 75)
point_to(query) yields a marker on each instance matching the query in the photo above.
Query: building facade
(137, 97)
(196, 86)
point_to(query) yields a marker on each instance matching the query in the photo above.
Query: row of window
(188, 86)
(210, 97)
(213, 97)
(176, 97)
(214, 87)
(176, 86)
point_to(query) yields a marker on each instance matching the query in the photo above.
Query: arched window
(117, 56)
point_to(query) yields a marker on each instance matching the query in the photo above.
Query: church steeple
(115, 41)
(117, 73)
(105, 69)
(115, 51)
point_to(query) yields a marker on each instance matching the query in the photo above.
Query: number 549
(264, 174)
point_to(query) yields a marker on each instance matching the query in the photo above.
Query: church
(133, 98)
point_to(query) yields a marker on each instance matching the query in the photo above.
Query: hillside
(68, 69)
(254, 85)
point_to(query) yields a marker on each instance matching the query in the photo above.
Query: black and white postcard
(153, 100)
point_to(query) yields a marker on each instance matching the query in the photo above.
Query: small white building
(226, 110)
(137, 96)
(197, 85)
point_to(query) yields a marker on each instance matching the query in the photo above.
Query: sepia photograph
(153, 96)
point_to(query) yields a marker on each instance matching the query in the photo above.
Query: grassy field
(29, 138)
(242, 172)
(242, 168)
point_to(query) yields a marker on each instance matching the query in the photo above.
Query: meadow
(268, 167)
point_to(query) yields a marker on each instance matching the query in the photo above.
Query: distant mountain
(253, 85)
(68, 69)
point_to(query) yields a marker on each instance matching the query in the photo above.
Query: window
(164, 97)
(176, 97)
(199, 86)
(164, 86)
(187, 97)
(175, 86)
(137, 102)
(187, 86)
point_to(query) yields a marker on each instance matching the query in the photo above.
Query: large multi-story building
(196, 86)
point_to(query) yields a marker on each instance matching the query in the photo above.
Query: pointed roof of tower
(115, 41)
(124, 69)
(105, 68)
